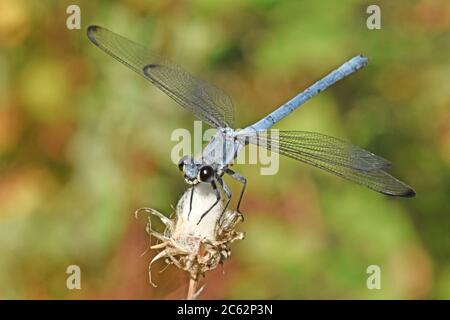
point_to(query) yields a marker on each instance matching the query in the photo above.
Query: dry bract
(190, 244)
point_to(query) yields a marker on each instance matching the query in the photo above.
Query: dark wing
(207, 102)
(333, 155)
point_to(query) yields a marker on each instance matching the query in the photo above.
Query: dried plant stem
(191, 295)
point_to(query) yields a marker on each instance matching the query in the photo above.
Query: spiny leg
(228, 193)
(239, 178)
(225, 188)
(217, 193)
(190, 201)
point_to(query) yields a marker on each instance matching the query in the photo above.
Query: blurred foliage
(84, 142)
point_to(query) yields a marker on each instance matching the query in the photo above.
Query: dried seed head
(193, 243)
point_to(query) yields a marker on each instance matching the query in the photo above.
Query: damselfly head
(190, 169)
(191, 181)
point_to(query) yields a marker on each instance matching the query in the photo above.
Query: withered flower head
(193, 244)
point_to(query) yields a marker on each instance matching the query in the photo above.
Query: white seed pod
(193, 241)
(190, 223)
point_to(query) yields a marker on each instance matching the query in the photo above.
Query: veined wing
(207, 102)
(333, 155)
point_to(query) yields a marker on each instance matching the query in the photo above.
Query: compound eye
(206, 174)
(183, 161)
(181, 164)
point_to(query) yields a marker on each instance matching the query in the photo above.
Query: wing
(207, 102)
(332, 155)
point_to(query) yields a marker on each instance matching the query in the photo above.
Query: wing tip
(91, 30)
(408, 193)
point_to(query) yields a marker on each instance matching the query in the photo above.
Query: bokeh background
(85, 141)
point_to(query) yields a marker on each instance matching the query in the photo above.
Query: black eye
(205, 174)
(183, 161)
(181, 164)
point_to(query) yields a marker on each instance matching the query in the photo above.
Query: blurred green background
(85, 141)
